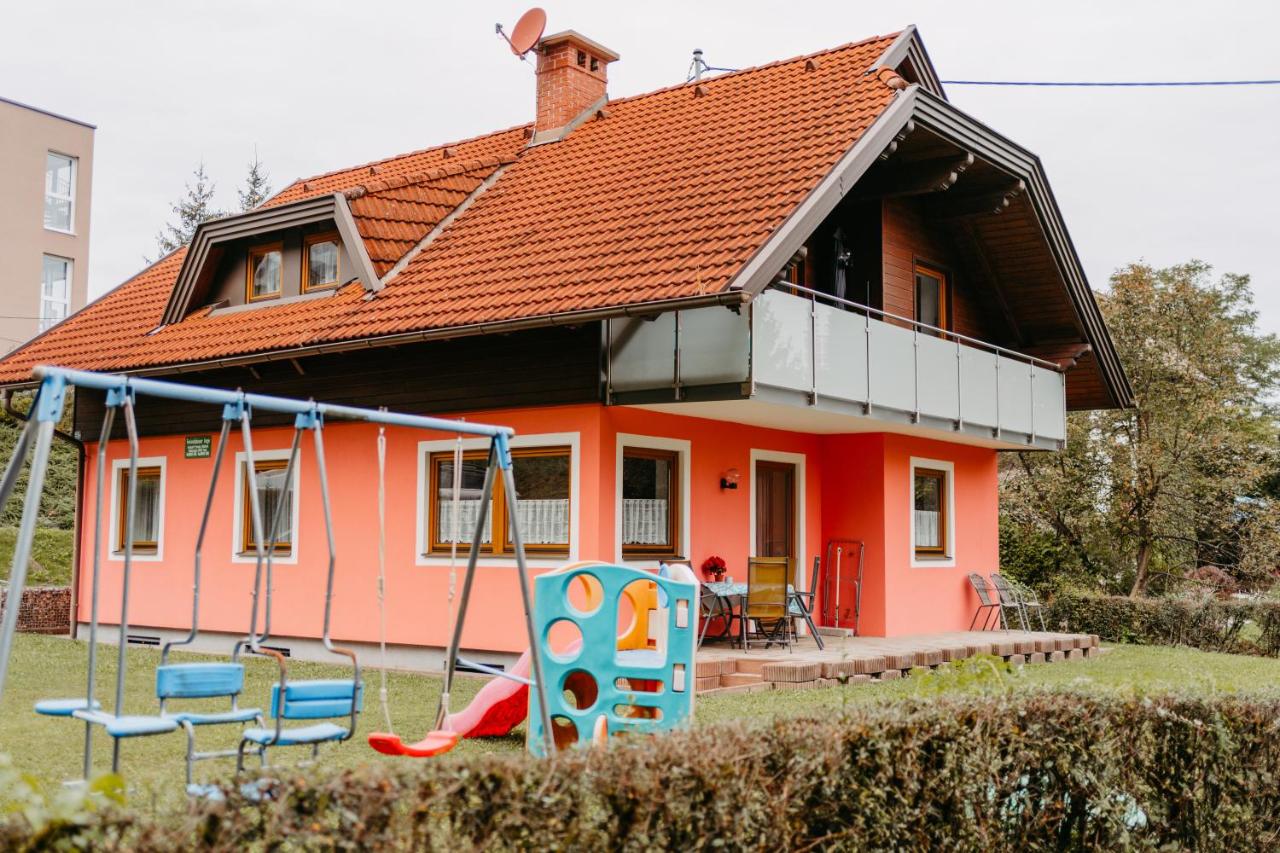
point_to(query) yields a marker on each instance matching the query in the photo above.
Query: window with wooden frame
(265, 277)
(931, 296)
(543, 495)
(321, 261)
(146, 518)
(269, 480)
(929, 503)
(650, 502)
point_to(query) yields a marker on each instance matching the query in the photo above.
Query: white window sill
(59, 231)
(492, 561)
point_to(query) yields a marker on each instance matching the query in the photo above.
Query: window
(146, 518)
(59, 191)
(320, 261)
(55, 291)
(266, 271)
(542, 476)
(269, 480)
(930, 503)
(650, 502)
(931, 296)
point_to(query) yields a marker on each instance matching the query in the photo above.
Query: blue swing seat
(216, 718)
(127, 726)
(318, 733)
(64, 707)
(319, 699)
(204, 681)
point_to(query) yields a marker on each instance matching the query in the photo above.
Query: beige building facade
(46, 176)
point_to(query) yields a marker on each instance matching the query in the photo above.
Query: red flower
(713, 566)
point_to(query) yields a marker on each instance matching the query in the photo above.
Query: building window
(147, 516)
(59, 191)
(543, 494)
(650, 502)
(55, 291)
(266, 271)
(930, 503)
(269, 480)
(931, 296)
(320, 267)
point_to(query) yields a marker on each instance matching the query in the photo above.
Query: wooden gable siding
(909, 238)
(542, 367)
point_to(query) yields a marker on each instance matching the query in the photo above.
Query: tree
(1180, 481)
(257, 185)
(194, 207)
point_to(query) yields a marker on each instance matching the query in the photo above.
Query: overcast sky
(1162, 175)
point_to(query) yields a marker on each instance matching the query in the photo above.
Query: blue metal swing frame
(297, 700)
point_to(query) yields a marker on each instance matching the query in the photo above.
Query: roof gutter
(727, 298)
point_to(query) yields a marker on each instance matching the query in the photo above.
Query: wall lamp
(729, 480)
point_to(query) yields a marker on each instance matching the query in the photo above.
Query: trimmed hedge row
(1038, 771)
(1238, 627)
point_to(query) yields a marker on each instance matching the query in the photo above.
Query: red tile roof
(665, 196)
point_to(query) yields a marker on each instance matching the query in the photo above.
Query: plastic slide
(500, 706)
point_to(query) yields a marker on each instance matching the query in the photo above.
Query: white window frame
(237, 525)
(947, 561)
(652, 442)
(798, 460)
(426, 449)
(117, 466)
(45, 323)
(71, 196)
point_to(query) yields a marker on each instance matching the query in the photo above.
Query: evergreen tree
(257, 185)
(192, 209)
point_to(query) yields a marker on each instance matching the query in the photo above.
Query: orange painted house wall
(855, 486)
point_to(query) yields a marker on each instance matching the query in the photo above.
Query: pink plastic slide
(500, 706)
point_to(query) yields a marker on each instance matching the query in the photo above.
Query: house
(748, 315)
(46, 173)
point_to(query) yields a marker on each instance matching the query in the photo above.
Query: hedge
(1026, 771)
(1238, 627)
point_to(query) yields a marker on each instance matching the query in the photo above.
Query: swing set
(317, 702)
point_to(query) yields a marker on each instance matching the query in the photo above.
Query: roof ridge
(753, 68)
(452, 144)
(396, 181)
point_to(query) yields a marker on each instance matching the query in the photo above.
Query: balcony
(849, 367)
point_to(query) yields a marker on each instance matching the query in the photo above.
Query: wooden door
(775, 511)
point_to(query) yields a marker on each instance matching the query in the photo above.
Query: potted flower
(714, 567)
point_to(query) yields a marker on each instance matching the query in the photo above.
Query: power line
(1118, 83)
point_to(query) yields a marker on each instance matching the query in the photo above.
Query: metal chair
(1029, 601)
(1009, 600)
(766, 606)
(988, 606)
(712, 607)
(801, 604)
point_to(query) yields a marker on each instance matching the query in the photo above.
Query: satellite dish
(528, 31)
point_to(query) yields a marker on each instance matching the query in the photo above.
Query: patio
(722, 668)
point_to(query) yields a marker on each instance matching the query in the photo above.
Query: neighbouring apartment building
(46, 172)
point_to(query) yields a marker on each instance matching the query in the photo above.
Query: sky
(1155, 175)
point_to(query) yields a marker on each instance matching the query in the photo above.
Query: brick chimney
(572, 77)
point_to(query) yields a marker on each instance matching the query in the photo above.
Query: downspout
(6, 399)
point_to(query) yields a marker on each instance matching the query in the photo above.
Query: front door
(775, 510)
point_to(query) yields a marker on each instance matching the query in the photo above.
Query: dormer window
(320, 266)
(266, 271)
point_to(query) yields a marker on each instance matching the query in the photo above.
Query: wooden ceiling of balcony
(986, 214)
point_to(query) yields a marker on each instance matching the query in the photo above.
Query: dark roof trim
(212, 234)
(567, 318)
(944, 119)
(49, 113)
(907, 54)
(913, 107)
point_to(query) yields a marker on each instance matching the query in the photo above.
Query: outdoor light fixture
(730, 479)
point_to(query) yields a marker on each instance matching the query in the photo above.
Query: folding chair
(766, 606)
(1009, 600)
(801, 604)
(987, 605)
(1029, 601)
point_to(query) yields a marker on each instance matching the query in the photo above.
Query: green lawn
(50, 563)
(50, 749)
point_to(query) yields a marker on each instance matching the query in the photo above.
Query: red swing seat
(435, 743)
